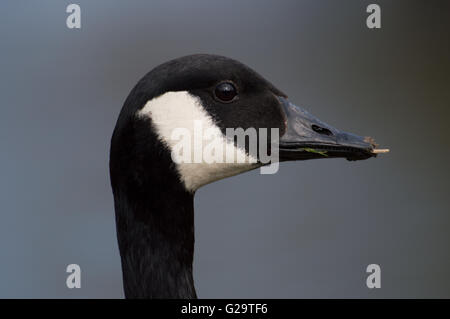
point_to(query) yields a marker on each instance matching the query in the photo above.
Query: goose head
(155, 169)
(211, 94)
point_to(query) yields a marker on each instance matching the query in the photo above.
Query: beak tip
(371, 141)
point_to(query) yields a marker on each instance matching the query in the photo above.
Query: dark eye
(225, 91)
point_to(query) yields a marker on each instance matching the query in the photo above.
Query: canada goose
(153, 195)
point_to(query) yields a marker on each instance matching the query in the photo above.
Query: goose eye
(225, 91)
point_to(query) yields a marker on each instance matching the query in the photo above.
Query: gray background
(308, 231)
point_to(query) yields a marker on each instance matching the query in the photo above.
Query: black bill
(307, 137)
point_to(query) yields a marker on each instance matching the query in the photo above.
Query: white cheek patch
(180, 110)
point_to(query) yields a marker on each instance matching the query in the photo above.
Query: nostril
(321, 130)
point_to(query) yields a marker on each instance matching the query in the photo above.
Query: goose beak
(307, 137)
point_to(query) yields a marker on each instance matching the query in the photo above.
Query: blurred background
(308, 231)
